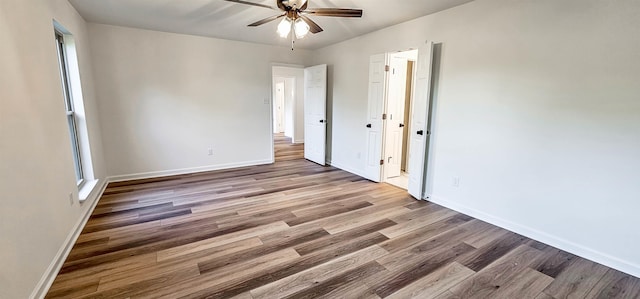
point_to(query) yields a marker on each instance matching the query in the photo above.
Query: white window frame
(70, 111)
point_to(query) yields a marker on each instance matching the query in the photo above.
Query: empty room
(319, 149)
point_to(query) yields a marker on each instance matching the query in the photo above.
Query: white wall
(538, 115)
(166, 98)
(298, 74)
(36, 168)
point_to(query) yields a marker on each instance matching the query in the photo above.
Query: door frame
(425, 170)
(270, 99)
(383, 170)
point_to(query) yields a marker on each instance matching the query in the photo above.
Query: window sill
(86, 189)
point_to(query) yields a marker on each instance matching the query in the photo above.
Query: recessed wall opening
(390, 75)
(284, 106)
(299, 109)
(398, 113)
(287, 100)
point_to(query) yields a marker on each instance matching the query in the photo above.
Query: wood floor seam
(295, 229)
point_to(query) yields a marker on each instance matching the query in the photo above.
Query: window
(68, 98)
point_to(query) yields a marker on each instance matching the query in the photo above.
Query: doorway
(284, 98)
(399, 100)
(387, 122)
(299, 109)
(287, 113)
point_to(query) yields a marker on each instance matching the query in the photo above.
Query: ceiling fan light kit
(301, 28)
(284, 28)
(296, 17)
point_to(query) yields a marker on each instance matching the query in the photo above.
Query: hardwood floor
(285, 150)
(298, 230)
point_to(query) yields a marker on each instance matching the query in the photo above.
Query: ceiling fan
(295, 13)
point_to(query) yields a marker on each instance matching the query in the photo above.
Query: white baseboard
(52, 271)
(298, 141)
(345, 168)
(560, 243)
(163, 173)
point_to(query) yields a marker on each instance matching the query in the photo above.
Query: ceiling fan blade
(304, 6)
(313, 27)
(251, 3)
(335, 12)
(266, 20)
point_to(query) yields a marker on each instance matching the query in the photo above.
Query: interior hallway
(285, 150)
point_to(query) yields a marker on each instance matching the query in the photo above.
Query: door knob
(368, 125)
(401, 125)
(420, 132)
(322, 120)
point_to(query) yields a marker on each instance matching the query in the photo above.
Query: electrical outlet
(71, 198)
(455, 182)
(210, 151)
(359, 155)
(266, 101)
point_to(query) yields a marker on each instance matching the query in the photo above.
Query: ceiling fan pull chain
(293, 37)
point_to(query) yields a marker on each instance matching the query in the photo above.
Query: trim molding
(50, 274)
(566, 245)
(610, 261)
(345, 168)
(163, 173)
(52, 271)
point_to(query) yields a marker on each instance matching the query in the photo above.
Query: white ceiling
(226, 20)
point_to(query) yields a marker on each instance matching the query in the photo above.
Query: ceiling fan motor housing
(288, 5)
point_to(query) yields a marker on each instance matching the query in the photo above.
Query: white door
(394, 127)
(315, 118)
(375, 109)
(279, 107)
(419, 131)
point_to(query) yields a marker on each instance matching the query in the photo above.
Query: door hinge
(386, 68)
(381, 161)
(384, 116)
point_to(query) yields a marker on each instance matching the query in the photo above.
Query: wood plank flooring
(285, 150)
(298, 230)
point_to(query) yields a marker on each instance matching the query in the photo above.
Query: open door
(420, 134)
(394, 127)
(375, 109)
(315, 113)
